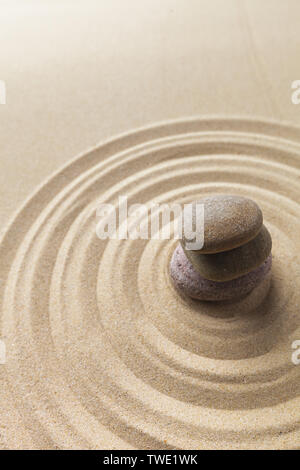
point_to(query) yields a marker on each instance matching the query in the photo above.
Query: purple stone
(190, 282)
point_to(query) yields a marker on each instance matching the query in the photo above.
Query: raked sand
(103, 352)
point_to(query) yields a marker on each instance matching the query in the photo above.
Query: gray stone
(189, 282)
(229, 222)
(232, 264)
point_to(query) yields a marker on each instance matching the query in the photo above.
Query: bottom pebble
(190, 282)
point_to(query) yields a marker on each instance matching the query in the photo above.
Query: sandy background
(102, 352)
(78, 72)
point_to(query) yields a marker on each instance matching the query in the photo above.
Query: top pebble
(229, 222)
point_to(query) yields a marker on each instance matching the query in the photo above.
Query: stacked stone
(236, 255)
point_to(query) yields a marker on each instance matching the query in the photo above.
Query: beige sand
(101, 350)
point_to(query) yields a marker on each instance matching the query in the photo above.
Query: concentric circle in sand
(102, 352)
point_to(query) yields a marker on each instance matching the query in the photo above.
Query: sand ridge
(102, 351)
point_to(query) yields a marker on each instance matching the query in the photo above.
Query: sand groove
(102, 351)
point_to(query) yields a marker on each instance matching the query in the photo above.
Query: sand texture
(102, 351)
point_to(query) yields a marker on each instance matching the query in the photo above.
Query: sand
(102, 352)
